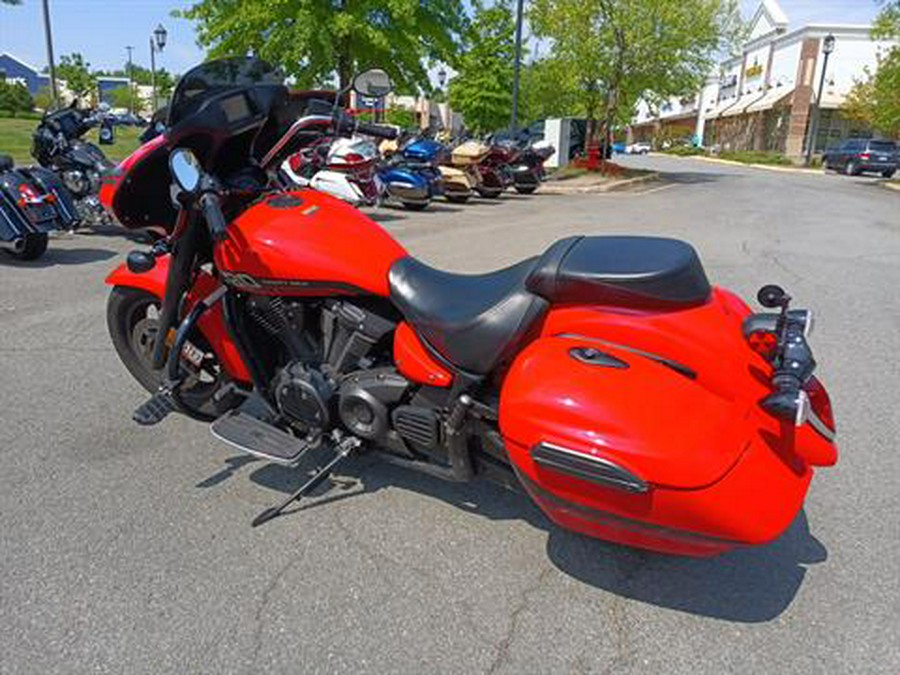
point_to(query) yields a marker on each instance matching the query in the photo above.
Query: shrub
(684, 151)
(756, 157)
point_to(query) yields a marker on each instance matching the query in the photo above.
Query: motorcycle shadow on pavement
(748, 585)
(63, 256)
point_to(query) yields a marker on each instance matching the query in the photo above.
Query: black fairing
(630, 271)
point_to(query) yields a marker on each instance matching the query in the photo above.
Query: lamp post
(517, 65)
(442, 80)
(827, 48)
(157, 43)
(48, 36)
(130, 49)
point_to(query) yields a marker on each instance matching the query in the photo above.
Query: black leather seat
(473, 321)
(631, 271)
(477, 321)
(6, 163)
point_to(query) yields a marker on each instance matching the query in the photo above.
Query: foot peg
(261, 439)
(156, 409)
(343, 447)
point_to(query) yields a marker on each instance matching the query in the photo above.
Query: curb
(767, 167)
(893, 185)
(598, 188)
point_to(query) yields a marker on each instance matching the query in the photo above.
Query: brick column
(803, 93)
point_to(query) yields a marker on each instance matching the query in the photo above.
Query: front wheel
(457, 199)
(851, 169)
(526, 189)
(490, 193)
(415, 206)
(889, 173)
(132, 316)
(35, 247)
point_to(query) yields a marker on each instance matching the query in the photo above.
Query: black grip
(215, 219)
(377, 130)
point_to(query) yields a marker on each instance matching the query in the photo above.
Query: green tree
(619, 51)
(315, 39)
(14, 98)
(875, 98)
(76, 72)
(401, 117)
(549, 90)
(120, 97)
(482, 89)
(43, 99)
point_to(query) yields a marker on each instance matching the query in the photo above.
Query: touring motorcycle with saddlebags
(628, 397)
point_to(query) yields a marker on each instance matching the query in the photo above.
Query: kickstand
(343, 449)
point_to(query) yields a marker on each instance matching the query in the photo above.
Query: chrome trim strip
(593, 469)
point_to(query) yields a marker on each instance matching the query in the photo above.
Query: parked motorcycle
(345, 168)
(410, 173)
(485, 165)
(433, 156)
(33, 203)
(633, 401)
(57, 145)
(525, 159)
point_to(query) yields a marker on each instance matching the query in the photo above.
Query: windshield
(214, 76)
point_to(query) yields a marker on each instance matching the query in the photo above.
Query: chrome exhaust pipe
(16, 245)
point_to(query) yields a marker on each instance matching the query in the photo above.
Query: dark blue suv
(858, 155)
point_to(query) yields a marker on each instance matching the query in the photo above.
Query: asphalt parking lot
(129, 550)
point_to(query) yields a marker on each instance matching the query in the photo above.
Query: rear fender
(211, 323)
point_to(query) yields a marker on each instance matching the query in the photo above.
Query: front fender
(211, 324)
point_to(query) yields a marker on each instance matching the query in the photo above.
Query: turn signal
(821, 404)
(763, 343)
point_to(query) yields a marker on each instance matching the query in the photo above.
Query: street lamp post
(157, 43)
(442, 80)
(517, 65)
(827, 48)
(48, 36)
(130, 49)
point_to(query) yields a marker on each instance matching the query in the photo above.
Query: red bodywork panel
(211, 324)
(307, 243)
(414, 362)
(720, 471)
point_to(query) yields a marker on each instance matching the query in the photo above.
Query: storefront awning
(720, 108)
(740, 106)
(772, 98)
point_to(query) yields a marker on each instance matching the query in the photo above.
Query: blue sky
(101, 29)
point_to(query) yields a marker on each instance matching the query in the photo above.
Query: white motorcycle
(342, 167)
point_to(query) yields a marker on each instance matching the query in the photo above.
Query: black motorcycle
(57, 145)
(33, 202)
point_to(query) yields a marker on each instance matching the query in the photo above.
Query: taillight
(296, 162)
(354, 158)
(865, 156)
(763, 343)
(821, 407)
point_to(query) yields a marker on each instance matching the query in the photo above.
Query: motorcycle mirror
(373, 83)
(772, 296)
(185, 169)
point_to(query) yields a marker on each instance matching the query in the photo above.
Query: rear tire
(526, 189)
(490, 193)
(457, 199)
(133, 329)
(35, 247)
(411, 206)
(851, 169)
(889, 174)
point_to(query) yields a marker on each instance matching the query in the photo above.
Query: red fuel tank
(307, 243)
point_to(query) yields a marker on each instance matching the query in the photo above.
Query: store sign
(754, 71)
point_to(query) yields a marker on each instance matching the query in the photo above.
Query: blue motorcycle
(411, 176)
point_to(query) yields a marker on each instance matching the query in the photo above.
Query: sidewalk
(592, 184)
(768, 167)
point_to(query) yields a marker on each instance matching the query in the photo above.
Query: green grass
(15, 140)
(684, 151)
(756, 157)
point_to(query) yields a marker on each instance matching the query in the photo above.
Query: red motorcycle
(633, 401)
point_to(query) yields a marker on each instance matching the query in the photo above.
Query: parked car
(619, 148)
(859, 155)
(639, 148)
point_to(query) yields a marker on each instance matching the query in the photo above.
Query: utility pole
(49, 38)
(130, 82)
(517, 65)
